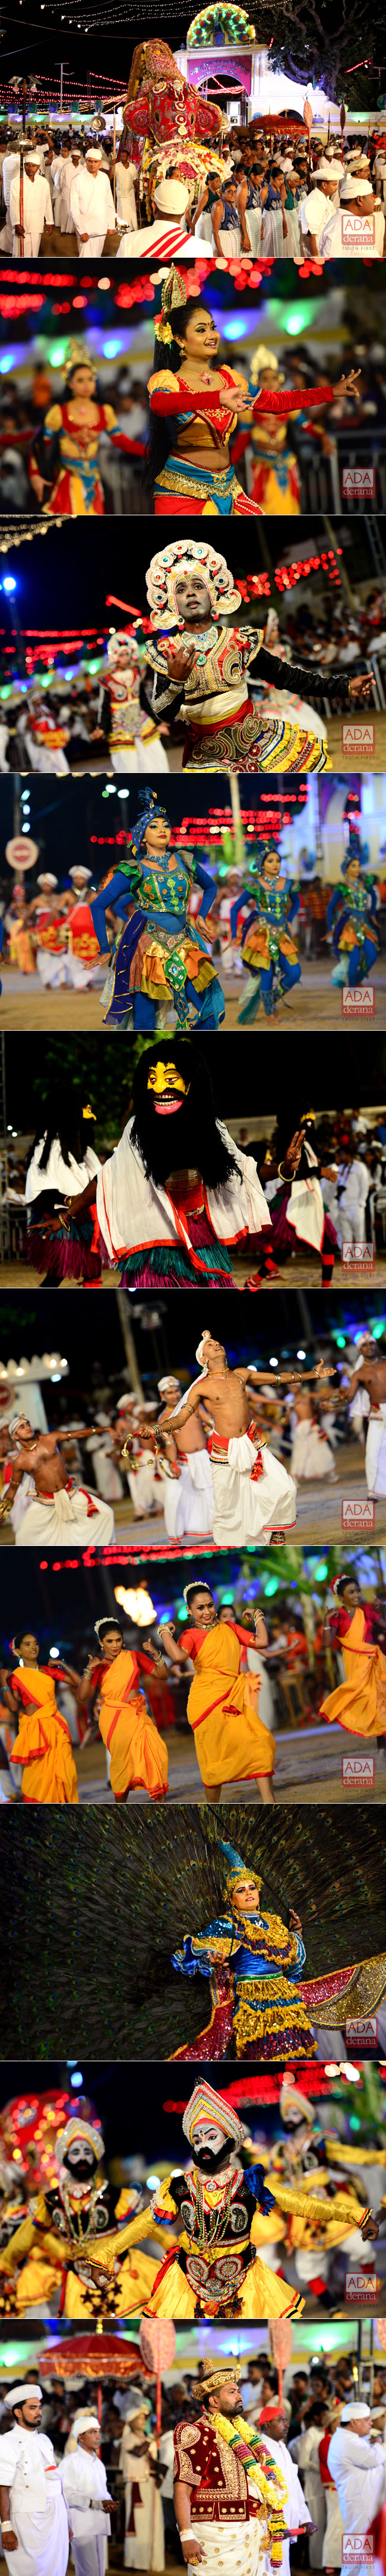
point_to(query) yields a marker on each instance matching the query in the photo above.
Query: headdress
(352, 854)
(77, 2128)
(46, 879)
(206, 2105)
(196, 1587)
(86, 873)
(94, 152)
(83, 2424)
(237, 1868)
(351, 189)
(356, 2411)
(18, 2396)
(77, 355)
(177, 560)
(214, 2374)
(120, 636)
(167, 1381)
(293, 2105)
(100, 1625)
(151, 812)
(174, 291)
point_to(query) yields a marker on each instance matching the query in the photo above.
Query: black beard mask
(210, 2159)
(82, 2171)
(191, 1138)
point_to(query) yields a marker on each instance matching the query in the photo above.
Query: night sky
(69, 582)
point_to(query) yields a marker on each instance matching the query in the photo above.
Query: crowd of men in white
(340, 217)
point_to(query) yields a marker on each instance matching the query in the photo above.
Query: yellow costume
(43, 1744)
(359, 1703)
(210, 2278)
(231, 1742)
(37, 2261)
(138, 1753)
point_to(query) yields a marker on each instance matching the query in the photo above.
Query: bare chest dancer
(34, 1453)
(254, 1497)
(59, 1501)
(231, 1395)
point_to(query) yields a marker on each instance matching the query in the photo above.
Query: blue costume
(253, 1966)
(158, 957)
(350, 915)
(267, 946)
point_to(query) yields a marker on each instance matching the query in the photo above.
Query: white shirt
(312, 212)
(164, 237)
(10, 163)
(91, 202)
(37, 206)
(330, 242)
(358, 2469)
(84, 2485)
(126, 206)
(70, 1177)
(295, 2507)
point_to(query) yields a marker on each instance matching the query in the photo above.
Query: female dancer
(43, 1742)
(202, 402)
(138, 1756)
(231, 1743)
(159, 957)
(189, 585)
(267, 942)
(348, 914)
(64, 461)
(355, 1625)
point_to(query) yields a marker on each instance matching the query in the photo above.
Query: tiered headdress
(206, 2105)
(176, 561)
(237, 1869)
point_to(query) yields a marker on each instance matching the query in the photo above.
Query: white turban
(356, 2411)
(81, 872)
(45, 879)
(355, 188)
(85, 2424)
(163, 1382)
(171, 197)
(93, 154)
(18, 2396)
(205, 1337)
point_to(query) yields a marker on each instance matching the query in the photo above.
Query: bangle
(7, 2526)
(186, 2535)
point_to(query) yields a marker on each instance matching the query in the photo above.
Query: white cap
(18, 2396)
(357, 187)
(200, 1352)
(171, 197)
(46, 879)
(93, 152)
(81, 872)
(167, 1381)
(85, 2424)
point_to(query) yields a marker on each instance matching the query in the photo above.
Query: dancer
(62, 1509)
(47, 917)
(64, 461)
(252, 1496)
(268, 947)
(292, 1176)
(311, 1455)
(369, 1372)
(350, 914)
(205, 401)
(75, 2248)
(160, 959)
(254, 1964)
(134, 739)
(60, 1244)
(138, 1752)
(188, 1487)
(215, 2271)
(83, 963)
(231, 1742)
(167, 1220)
(359, 1703)
(88, 2501)
(205, 673)
(43, 1741)
(34, 2525)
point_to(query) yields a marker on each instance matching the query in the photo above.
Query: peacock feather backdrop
(95, 1903)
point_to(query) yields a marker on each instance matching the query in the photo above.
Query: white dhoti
(189, 1504)
(51, 966)
(333, 2535)
(144, 754)
(145, 2542)
(64, 1519)
(376, 1453)
(253, 219)
(41, 2551)
(245, 1511)
(311, 1454)
(90, 2557)
(234, 2545)
(143, 1482)
(91, 249)
(78, 974)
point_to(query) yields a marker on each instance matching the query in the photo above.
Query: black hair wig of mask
(193, 1140)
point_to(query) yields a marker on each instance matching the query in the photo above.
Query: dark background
(92, 1067)
(135, 2118)
(166, 1329)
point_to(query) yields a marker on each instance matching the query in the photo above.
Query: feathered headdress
(152, 812)
(237, 1869)
(173, 294)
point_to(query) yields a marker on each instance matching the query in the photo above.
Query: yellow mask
(164, 1077)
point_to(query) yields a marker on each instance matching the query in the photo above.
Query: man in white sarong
(63, 1512)
(218, 2499)
(86, 2492)
(144, 2545)
(354, 1185)
(34, 2524)
(126, 175)
(369, 1375)
(357, 2465)
(70, 172)
(167, 235)
(188, 1498)
(37, 207)
(92, 205)
(10, 164)
(50, 953)
(253, 1495)
(273, 2425)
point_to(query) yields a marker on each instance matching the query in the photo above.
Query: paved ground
(292, 1273)
(319, 1516)
(316, 1002)
(308, 1772)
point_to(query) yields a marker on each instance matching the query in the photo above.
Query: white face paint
(208, 2136)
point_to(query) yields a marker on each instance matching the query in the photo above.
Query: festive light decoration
(221, 21)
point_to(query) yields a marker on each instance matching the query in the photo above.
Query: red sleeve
(246, 1636)
(340, 1622)
(282, 402)
(165, 399)
(191, 1638)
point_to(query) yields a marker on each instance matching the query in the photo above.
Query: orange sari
(360, 1702)
(138, 1755)
(43, 1743)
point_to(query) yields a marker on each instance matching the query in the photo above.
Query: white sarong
(311, 1454)
(228, 2546)
(376, 1453)
(245, 1512)
(65, 1519)
(189, 1505)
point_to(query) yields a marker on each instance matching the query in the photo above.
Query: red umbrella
(93, 2356)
